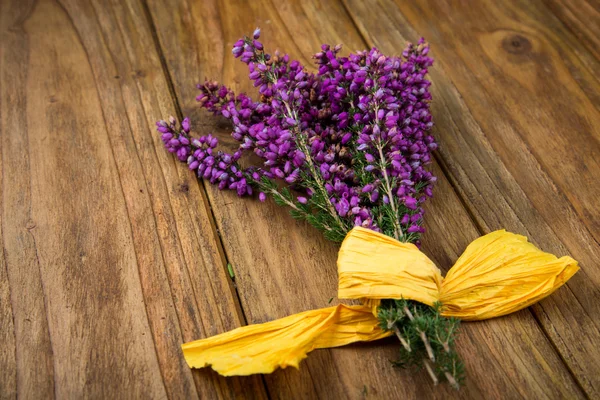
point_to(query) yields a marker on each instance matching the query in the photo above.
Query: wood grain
(85, 289)
(113, 254)
(8, 362)
(28, 355)
(498, 157)
(124, 262)
(272, 253)
(582, 17)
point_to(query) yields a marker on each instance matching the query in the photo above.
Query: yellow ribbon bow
(498, 274)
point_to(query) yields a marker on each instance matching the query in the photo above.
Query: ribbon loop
(374, 266)
(501, 273)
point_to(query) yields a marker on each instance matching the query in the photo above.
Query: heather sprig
(351, 140)
(345, 146)
(426, 337)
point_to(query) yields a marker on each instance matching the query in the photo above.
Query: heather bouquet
(346, 149)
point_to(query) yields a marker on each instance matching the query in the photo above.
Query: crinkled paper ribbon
(498, 274)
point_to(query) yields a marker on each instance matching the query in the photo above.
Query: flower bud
(411, 203)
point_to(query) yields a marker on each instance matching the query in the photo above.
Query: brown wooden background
(113, 254)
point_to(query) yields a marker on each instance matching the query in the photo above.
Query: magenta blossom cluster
(351, 140)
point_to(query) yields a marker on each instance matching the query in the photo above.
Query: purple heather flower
(411, 203)
(365, 103)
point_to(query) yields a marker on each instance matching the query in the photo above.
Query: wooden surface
(113, 254)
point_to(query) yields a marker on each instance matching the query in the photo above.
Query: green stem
(430, 371)
(416, 325)
(320, 185)
(392, 325)
(388, 190)
(422, 335)
(388, 187)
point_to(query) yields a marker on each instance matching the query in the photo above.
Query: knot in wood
(516, 44)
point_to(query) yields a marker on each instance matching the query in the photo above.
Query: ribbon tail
(262, 348)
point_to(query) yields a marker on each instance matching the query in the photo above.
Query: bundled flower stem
(346, 146)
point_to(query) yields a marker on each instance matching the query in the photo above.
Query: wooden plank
(282, 266)
(84, 273)
(29, 355)
(513, 100)
(8, 361)
(8, 349)
(121, 240)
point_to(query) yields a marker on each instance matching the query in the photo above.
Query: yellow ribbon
(498, 274)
